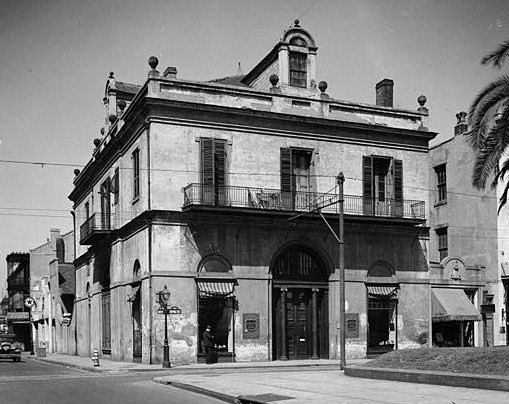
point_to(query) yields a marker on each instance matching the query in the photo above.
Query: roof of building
(230, 81)
(127, 87)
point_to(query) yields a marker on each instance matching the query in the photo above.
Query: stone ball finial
(111, 75)
(422, 100)
(112, 118)
(76, 171)
(297, 22)
(97, 142)
(102, 131)
(122, 104)
(274, 78)
(322, 86)
(153, 62)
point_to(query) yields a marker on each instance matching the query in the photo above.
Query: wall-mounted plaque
(352, 325)
(250, 325)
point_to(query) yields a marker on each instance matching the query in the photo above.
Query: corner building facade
(192, 185)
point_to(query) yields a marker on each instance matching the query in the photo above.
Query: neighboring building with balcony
(192, 185)
(18, 288)
(467, 249)
(52, 287)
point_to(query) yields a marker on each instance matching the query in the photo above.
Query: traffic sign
(29, 301)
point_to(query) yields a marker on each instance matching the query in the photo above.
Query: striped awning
(215, 288)
(383, 291)
(448, 304)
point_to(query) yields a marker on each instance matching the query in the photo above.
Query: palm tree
(488, 121)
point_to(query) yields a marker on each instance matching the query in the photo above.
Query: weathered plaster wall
(251, 152)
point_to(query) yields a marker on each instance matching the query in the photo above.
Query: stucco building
(18, 289)
(191, 186)
(467, 249)
(52, 286)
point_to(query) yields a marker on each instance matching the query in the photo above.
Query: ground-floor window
(382, 317)
(106, 322)
(217, 311)
(453, 334)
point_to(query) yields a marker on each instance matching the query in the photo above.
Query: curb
(70, 365)
(209, 393)
(492, 382)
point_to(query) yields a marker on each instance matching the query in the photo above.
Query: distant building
(52, 287)
(191, 186)
(18, 289)
(464, 248)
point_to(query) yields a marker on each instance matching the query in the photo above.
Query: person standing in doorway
(208, 345)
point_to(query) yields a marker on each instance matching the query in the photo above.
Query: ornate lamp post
(164, 298)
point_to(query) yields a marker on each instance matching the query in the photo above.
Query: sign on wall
(17, 315)
(352, 325)
(251, 325)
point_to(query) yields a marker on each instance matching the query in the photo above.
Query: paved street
(34, 382)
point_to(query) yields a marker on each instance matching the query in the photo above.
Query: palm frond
(483, 109)
(498, 56)
(503, 198)
(493, 147)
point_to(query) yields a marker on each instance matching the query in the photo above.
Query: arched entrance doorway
(300, 305)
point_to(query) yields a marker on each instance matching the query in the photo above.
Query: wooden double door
(300, 323)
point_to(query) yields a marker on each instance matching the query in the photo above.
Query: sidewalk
(292, 382)
(110, 366)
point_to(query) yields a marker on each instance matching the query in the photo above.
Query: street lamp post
(164, 298)
(342, 332)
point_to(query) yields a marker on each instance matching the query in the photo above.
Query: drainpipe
(149, 207)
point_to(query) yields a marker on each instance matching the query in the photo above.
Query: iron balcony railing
(275, 199)
(95, 226)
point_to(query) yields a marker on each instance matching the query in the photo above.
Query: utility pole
(342, 363)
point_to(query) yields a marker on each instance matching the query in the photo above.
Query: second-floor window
(213, 169)
(382, 178)
(443, 249)
(441, 183)
(136, 174)
(115, 183)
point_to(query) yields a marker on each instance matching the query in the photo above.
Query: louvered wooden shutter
(367, 177)
(367, 185)
(219, 162)
(207, 162)
(398, 180)
(286, 169)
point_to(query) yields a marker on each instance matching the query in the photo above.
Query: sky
(55, 57)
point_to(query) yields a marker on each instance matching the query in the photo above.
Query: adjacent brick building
(192, 185)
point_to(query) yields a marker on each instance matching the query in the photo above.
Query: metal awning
(448, 304)
(131, 296)
(215, 288)
(387, 291)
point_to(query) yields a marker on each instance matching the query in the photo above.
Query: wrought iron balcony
(95, 228)
(277, 200)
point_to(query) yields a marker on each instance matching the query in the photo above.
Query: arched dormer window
(298, 69)
(214, 263)
(298, 41)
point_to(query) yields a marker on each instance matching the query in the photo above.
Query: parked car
(9, 348)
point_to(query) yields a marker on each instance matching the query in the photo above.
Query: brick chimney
(461, 126)
(384, 93)
(170, 73)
